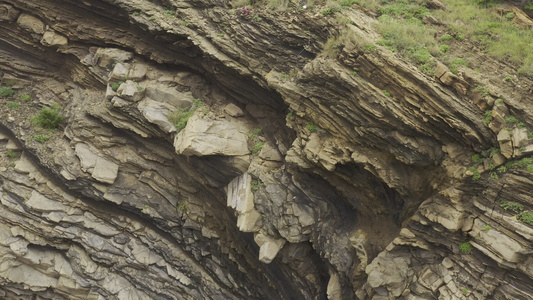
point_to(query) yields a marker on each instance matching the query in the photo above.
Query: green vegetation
(116, 85)
(477, 159)
(331, 10)
(25, 98)
(182, 115)
(446, 37)
(466, 247)
(12, 154)
(257, 148)
(493, 176)
(488, 117)
(454, 63)
(513, 206)
(41, 138)
(169, 13)
(386, 93)
(256, 185)
(526, 217)
(369, 47)
(486, 228)
(465, 291)
(182, 206)
(511, 119)
(311, 127)
(48, 118)
(6, 92)
(493, 31)
(220, 34)
(12, 105)
(289, 115)
(483, 90)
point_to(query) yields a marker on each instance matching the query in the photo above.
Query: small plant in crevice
(169, 13)
(486, 228)
(465, 291)
(145, 209)
(493, 176)
(369, 47)
(116, 85)
(289, 115)
(48, 117)
(256, 149)
(256, 185)
(311, 127)
(182, 206)
(181, 116)
(465, 247)
(386, 93)
(488, 117)
(511, 119)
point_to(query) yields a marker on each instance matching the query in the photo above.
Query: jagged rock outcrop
(209, 152)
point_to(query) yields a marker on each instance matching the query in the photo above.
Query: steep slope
(214, 152)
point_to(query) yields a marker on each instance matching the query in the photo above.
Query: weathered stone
(157, 113)
(130, 90)
(52, 38)
(137, 71)
(498, 160)
(8, 12)
(30, 23)
(120, 72)
(204, 137)
(87, 157)
(268, 247)
(105, 170)
(233, 110)
(506, 146)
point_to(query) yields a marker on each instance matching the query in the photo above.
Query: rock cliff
(207, 151)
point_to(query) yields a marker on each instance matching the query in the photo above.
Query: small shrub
(444, 48)
(386, 93)
(465, 291)
(499, 100)
(486, 228)
(521, 125)
(530, 135)
(13, 105)
(511, 119)
(25, 98)
(508, 78)
(526, 217)
(348, 3)
(220, 34)
(465, 247)
(530, 168)
(6, 92)
(510, 16)
(446, 37)
(312, 127)
(41, 138)
(140, 88)
(48, 118)
(257, 148)
(493, 176)
(354, 74)
(502, 169)
(510, 205)
(116, 85)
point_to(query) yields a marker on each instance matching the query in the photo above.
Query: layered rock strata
(207, 154)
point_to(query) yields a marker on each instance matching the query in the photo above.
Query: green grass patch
(13, 105)
(41, 138)
(511, 119)
(6, 92)
(312, 127)
(488, 117)
(25, 98)
(116, 85)
(12, 154)
(526, 217)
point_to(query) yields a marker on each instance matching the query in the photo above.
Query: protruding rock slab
(105, 171)
(241, 198)
(203, 137)
(269, 247)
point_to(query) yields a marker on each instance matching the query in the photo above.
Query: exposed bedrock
(206, 155)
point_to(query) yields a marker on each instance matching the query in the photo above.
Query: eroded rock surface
(313, 185)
